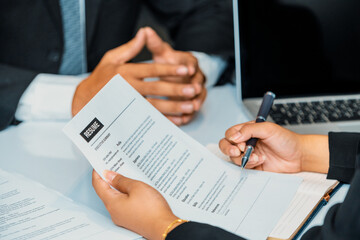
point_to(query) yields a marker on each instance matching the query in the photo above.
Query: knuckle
(107, 57)
(229, 132)
(151, 87)
(178, 91)
(246, 126)
(193, 59)
(158, 70)
(108, 53)
(172, 70)
(111, 55)
(190, 55)
(155, 69)
(176, 107)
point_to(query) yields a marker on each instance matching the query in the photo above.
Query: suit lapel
(53, 7)
(92, 9)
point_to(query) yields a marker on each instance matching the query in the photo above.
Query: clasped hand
(179, 92)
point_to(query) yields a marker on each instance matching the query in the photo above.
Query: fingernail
(189, 91)
(235, 137)
(182, 70)
(255, 158)
(109, 175)
(197, 104)
(234, 152)
(241, 147)
(176, 120)
(186, 119)
(187, 107)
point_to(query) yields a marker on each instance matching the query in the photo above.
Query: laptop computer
(305, 51)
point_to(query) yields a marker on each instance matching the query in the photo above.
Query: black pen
(264, 110)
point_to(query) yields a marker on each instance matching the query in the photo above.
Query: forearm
(335, 154)
(315, 155)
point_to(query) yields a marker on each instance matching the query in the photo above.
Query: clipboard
(321, 204)
(303, 209)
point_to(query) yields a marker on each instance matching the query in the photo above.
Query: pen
(264, 110)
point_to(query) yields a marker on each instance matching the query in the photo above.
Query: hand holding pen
(275, 147)
(264, 110)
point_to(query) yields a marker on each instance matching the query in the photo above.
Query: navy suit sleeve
(194, 230)
(344, 156)
(13, 83)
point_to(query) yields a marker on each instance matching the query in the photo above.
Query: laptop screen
(299, 47)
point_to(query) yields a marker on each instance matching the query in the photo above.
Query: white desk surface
(40, 151)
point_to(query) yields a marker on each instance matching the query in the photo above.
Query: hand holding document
(28, 210)
(119, 130)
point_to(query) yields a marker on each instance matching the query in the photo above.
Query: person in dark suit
(278, 150)
(39, 78)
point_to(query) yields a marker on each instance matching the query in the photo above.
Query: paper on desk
(28, 210)
(121, 131)
(308, 195)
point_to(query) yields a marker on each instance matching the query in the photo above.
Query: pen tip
(243, 160)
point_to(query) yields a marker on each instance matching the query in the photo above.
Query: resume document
(28, 210)
(119, 130)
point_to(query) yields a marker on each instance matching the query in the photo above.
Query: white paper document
(28, 210)
(119, 130)
(310, 192)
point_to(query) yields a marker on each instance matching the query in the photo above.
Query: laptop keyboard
(316, 112)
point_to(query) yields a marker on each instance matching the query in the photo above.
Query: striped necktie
(73, 59)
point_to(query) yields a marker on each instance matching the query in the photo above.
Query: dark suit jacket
(342, 220)
(31, 39)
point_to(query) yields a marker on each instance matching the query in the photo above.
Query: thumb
(129, 50)
(154, 43)
(119, 182)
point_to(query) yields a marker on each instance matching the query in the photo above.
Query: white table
(40, 151)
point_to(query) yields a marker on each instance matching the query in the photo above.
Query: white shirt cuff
(48, 97)
(211, 65)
